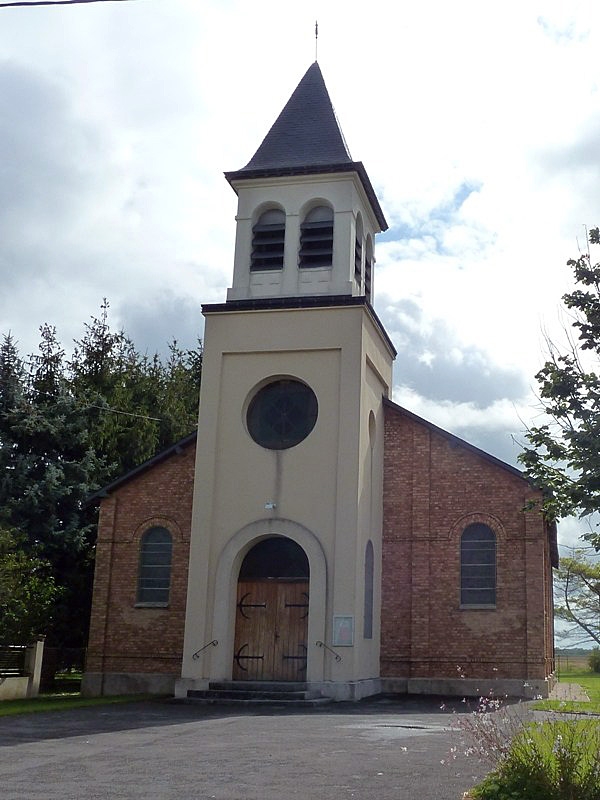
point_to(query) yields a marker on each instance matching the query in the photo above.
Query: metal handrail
(322, 644)
(196, 655)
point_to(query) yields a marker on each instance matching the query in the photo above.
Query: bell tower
(307, 214)
(289, 465)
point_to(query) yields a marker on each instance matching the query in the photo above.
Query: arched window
(316, 238)
(268, 239)
(275, 557)
(478, 566)
(154, 579)
(369, 569)
(369, 270)
(358, 248)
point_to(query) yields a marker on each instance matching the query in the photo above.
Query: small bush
(557, 760)
(594, 660)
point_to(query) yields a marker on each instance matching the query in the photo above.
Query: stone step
(258, 686)
(254, 702)
(239, 694)
(252, 693)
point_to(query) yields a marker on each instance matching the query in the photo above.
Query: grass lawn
(63, 702)
(590, 681)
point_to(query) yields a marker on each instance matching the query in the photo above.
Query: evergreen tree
(12, 389)
(69, 427)
(136, 404)
(177, 401)
(49, 471)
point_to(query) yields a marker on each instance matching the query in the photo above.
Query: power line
(100, 408)
(126, 413)
(23, 3)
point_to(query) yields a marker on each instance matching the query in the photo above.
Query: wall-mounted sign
(343, 631)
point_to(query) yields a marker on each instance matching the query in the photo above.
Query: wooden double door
(271, 630)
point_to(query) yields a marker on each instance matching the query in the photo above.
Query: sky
(478, 123)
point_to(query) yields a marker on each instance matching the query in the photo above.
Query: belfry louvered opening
(316, 238)
(369, 270)
(358, 248)
(268, 240)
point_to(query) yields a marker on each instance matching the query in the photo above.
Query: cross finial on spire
(316, 40)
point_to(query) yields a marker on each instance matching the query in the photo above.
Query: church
(313, 535)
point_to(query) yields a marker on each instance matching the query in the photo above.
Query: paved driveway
(376, 750)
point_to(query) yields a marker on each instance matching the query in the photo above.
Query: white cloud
(478, 124)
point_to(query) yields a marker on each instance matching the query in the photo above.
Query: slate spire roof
(306, 139)
(306, 133)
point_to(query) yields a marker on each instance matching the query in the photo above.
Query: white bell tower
(307, 214)
(289, 471)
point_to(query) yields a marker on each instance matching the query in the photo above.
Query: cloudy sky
(478, 122)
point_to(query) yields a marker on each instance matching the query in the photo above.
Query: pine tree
(117, 387)
(49, 471)
(69, 427)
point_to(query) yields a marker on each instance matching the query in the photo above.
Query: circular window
(282, 414)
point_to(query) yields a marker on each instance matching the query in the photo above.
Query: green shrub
(558, 760)
(594, 660)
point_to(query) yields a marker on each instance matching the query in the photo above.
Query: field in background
(571, 663)
(575, 669)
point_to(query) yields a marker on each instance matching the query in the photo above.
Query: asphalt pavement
(374, 750)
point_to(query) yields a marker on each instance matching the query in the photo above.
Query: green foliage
(557, 760)
(135, 405)
(564, 456)
(28, 592)
(48, 470)
(68, 427)
(594, 660)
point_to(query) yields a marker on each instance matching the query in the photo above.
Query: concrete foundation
(96, 684)
(469, 687)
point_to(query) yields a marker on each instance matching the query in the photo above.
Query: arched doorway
(272, 613)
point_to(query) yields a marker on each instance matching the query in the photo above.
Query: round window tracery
(282, 414)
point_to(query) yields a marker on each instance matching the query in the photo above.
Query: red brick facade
(434, 486)
(126, 637)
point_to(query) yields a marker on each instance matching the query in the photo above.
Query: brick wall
(434, 486)
(125, 638)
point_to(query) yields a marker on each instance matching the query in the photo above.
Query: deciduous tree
(563, 455)
(28, 591)
(578, 598)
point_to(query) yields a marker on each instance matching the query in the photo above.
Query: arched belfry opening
(271, 619)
